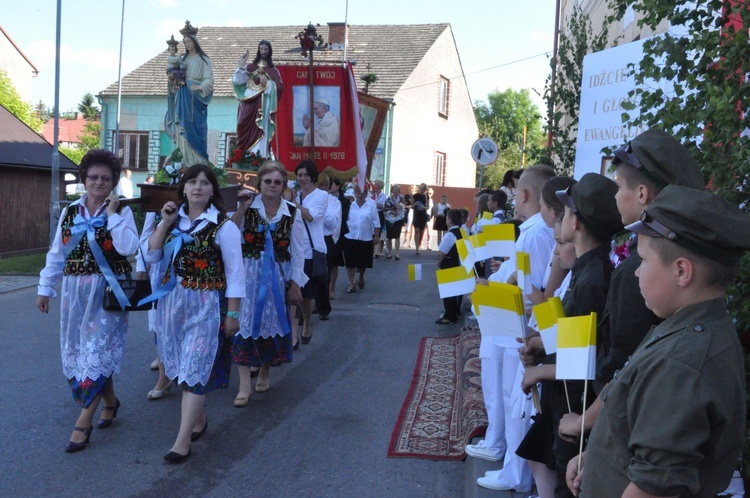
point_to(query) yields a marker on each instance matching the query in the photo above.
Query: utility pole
(54, 201)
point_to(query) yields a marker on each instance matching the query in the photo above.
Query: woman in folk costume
(93, 239)
(272, 235)
(199, 300)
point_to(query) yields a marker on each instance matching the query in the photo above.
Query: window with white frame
(444, 95)
(132, 149)
(438, 177)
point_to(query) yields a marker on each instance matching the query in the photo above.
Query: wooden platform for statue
(153, 197)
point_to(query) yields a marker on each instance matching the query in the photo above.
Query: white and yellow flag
(576, 348)
(415, 272)
(547, 314)
(481, 251)
(523, 272)
(466, 253)
(499, 310)
(455, 282)
(500, 240)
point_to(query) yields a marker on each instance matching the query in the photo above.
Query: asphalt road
(322, 429)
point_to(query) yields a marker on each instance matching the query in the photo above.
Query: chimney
(78, 116)
(337, 35)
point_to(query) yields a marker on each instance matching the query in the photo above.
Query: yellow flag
(499, 310)
(576, 347)
(547, 314)
(455, 282)
(466, 253)
(523, 272)
(500, 240)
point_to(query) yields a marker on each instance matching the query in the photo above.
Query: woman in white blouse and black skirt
(363, 223)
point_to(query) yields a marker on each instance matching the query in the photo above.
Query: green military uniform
(626, 319)
(673, 417)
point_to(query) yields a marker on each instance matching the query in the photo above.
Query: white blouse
(362, 221)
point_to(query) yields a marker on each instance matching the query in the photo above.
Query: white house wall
(17, 68)
(419, 132)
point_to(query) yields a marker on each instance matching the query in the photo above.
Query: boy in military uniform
(672, 419)
(643, 167)
(591, 219)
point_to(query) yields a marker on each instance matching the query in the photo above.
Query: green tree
(88, 107)
(563, 100)
(90, 136)
(11, 100)
(707, 109)
(503, 118)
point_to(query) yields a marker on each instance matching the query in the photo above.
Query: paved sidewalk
(9, 283)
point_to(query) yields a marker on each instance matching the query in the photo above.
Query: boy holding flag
(673, 417)
(591, 219)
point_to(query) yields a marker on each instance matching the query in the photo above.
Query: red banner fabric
(335, 136)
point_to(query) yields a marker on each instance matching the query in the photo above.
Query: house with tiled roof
(430, 123)
(25, 186)
(69, 131)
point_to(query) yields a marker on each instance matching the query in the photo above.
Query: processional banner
(335, 118)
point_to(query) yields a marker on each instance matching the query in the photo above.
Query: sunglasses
(96, 178)
(657, 227)
(268, 181)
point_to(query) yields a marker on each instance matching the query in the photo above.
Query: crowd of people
(667, 412)
(239, 285)
(233, 284)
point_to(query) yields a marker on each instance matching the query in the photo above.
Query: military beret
(592, 199)
(662, 159)
(697, 220)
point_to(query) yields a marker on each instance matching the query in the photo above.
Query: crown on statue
(172, 42)
(188, 29)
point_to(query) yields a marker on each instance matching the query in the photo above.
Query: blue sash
(82, 226)
(267, 279)
(171, 250)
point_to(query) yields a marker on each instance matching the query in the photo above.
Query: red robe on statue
(248, 133)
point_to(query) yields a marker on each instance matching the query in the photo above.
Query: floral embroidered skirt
(191, 339)
(267, 344)
(92, 340)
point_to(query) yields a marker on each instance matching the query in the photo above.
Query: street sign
(484, 151)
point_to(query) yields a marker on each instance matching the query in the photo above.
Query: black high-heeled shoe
(107, 422)
(73, 447)
(173, 457)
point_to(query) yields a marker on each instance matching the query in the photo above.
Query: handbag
(134, 290)
(320, 263)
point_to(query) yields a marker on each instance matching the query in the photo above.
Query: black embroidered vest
(199, 263)
(81, 260)
(254, 241)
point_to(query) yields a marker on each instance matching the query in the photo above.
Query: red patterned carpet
(444, 408)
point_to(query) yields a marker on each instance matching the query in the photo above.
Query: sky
(502, 43)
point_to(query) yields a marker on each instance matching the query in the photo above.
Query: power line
(481, 70)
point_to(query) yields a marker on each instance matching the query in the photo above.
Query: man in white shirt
(125, 186)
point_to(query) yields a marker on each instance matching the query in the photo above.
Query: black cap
(592, 199)
(662, 159)
(697, 220)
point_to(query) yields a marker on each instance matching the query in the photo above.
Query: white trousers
(500, 366)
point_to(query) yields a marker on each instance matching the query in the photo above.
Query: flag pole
(534, 388)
